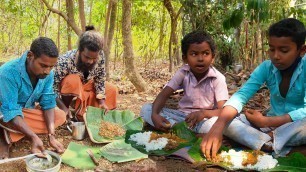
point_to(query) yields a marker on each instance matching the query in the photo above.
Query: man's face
(87, 59)
(283, 52)
(41, 66)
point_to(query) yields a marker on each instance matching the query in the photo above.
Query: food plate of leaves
(111, 126)
(249, 160)
(158, 143)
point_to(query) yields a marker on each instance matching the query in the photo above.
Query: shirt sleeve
(220, 87)
(251, 86)
(47, 98)
(9, 98)
(60, 71)
(100, 77)
(176, 81)
(300, 113)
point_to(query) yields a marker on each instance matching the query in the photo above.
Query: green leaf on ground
(77, 157)
(94, 116)
(119, 151)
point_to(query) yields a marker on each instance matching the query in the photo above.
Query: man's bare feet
(4, 146)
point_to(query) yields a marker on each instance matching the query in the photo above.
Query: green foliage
(234, 20)
(258, 10)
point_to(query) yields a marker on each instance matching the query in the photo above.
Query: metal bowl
(40, 164)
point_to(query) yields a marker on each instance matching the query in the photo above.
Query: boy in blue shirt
(25, 81)
(285, 76)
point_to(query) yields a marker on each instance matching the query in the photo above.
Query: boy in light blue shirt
(285, 76)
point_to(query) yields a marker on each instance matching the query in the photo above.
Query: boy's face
(283, 51)
(199, 58)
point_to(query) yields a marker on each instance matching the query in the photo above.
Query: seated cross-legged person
(81, 73)
(25, 81)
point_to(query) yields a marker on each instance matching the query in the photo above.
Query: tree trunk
(111, 30)
(128, 53)
(161, 34)
(82, 14)
(90, 12)
(173, 42)
(109, 8)
(69, 17)
(59, 28)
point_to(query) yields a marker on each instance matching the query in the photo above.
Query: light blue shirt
(16, 90)
(293, 104)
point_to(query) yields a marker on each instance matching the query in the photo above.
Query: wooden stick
(92, 157)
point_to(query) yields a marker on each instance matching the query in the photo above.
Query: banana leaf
(119, 151)
(94, 116)
(180, 129)
(76, 156)
(293, 163)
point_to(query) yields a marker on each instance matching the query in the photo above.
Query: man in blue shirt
(24, 82)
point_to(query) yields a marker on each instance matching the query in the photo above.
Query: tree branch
(75, 28)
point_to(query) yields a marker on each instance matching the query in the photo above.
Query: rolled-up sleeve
(47, 99)
(243, 95)
(9, 98)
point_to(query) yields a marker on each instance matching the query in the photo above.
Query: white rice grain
(144, 140)
(236, 158)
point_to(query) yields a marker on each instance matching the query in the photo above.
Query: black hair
(197, 37)
(44, 46)
(90, 27)
(90, 39)
(289, 27)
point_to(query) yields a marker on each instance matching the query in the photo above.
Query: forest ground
(156, 77)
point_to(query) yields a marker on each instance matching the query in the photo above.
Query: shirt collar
(211, 71)
(22, 68)
(298, 68)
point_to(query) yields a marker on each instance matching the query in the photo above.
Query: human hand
(103, 105)
(37, 145)
(68, 113)
(256, 118)
(160, 122)
(194, 118)
(56, 144)
(211, 143)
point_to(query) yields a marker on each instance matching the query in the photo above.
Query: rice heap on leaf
(154, 141)
(254, 160)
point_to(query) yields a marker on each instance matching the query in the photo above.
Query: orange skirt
(34, 118)
(72, 85)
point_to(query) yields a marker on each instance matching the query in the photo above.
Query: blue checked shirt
(293, 104)
(16, 90)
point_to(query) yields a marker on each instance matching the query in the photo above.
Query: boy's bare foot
(4, 147)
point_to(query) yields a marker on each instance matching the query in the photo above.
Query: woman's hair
(289, 27)
(44, 46)
(90, 39)
(197, 37)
